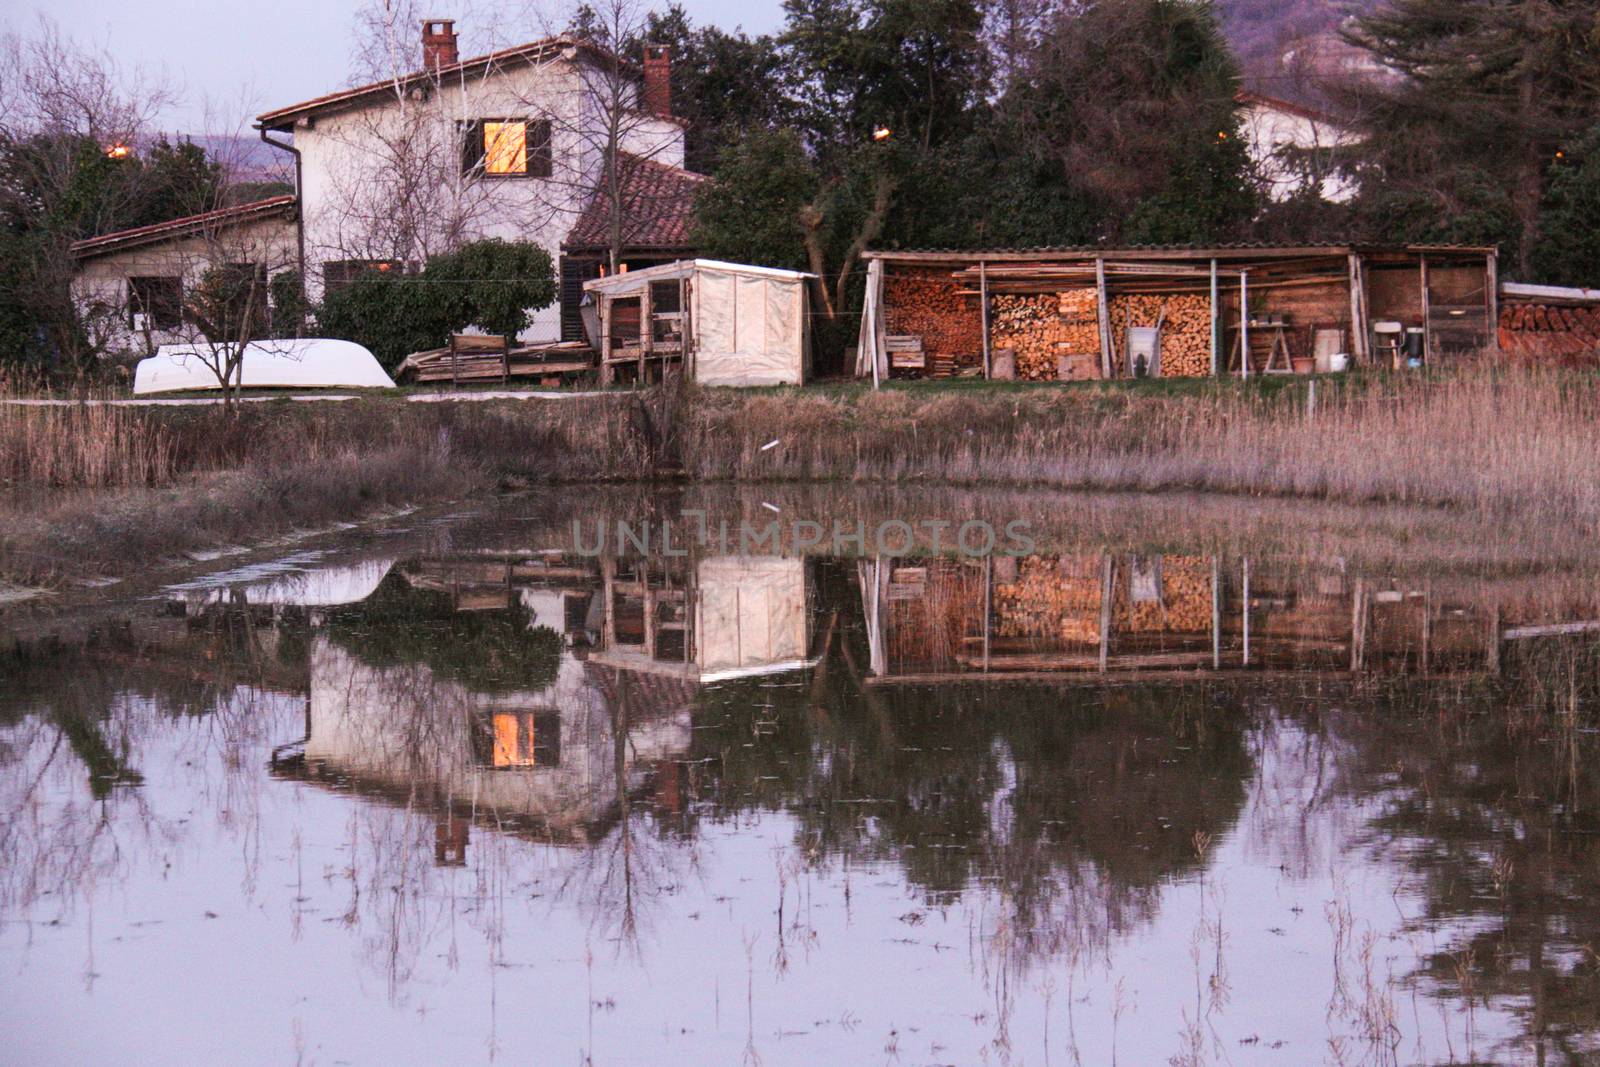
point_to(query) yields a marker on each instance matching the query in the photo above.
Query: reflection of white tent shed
(752, 616)
(743, 325)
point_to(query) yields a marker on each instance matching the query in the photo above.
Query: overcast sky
(247, 56)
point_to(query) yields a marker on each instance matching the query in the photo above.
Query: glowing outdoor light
(118, 151)
(881, 133)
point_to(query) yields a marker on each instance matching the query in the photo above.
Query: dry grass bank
(1521, 443)
(97, 489)
(86, 489)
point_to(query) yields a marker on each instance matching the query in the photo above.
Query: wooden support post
(1246, 611)
(872, 328)
(988, 604)
(683, 329)
(1107, 584)
(607, 371)
(983, 299)
(646, 332)
(1358, 315)
(1216, 613)
(1427, 314)
(1216, 323)
(1244, 324)
(1492, 280)
(1358, 627)
(1104, 312)
(1492, 659)
(1427, 624)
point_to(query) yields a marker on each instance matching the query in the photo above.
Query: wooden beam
(1107, 588)
(983, 298)
(647, 331)
(1358, 319)
(1427, 312)
(607, 371)
(1216, 321)
(1492, 278)
(1244, 325)
(1104, 314)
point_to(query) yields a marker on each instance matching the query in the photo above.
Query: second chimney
(658, 80)
(439, 44)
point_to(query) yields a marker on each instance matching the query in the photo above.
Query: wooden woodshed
(1074, 313)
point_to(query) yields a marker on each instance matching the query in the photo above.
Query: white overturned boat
(302, 363)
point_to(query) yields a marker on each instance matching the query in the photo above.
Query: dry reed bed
(1522, 443)
(103, 488)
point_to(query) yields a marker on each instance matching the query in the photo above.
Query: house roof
(658, 208)
(188, 226)
(1251, 98)
(546, 48)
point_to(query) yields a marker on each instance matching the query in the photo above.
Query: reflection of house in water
(957, 619)
(535, 692)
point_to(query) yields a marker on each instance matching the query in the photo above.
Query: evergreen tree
(1489, 91)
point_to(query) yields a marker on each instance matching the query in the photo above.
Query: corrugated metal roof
(1190, 250)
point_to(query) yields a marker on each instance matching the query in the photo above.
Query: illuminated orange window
(505, 148)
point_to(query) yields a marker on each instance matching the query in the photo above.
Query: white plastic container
(1338, 363)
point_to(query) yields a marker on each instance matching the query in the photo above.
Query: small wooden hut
(1070, 313)
(728, 323)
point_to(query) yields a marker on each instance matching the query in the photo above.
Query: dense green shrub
(490, 284)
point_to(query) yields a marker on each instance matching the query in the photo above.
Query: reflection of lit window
(511, 739)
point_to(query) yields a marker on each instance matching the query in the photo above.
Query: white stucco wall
(100, 286)
(354, 163)
(1268, 130)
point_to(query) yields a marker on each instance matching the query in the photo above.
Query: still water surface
(492, 799)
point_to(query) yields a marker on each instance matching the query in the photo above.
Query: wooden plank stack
(531, 361)
(1049, 331)
(1185, 330)
(931, 306)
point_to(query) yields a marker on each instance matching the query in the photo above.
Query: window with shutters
(508, 739)
(506, 148)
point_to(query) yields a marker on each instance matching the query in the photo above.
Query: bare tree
(69, 115)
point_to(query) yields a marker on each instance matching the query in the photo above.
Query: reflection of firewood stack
(1185, 330)
(1051, 600)
(1048, 332)
(1184, 605)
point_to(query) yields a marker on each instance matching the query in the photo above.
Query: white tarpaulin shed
(744, 325)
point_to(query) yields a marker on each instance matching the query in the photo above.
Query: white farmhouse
(1293, 145)
(513, 144)
(526, 143)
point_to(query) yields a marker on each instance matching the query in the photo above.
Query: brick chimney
(439, 44)
(658, 80)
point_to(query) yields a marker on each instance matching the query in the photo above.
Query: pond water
(471, 793)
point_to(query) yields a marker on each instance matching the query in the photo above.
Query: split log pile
(1051, 333)
(931, 306)
(1185, 330)
(1051, 600)
(1185, 603)
(1549, 332)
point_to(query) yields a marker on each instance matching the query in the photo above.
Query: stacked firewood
(932, 307)
(1050, 333)
(1546, 331)
(1184, 605)
(1051, 600)
(1185, 330)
